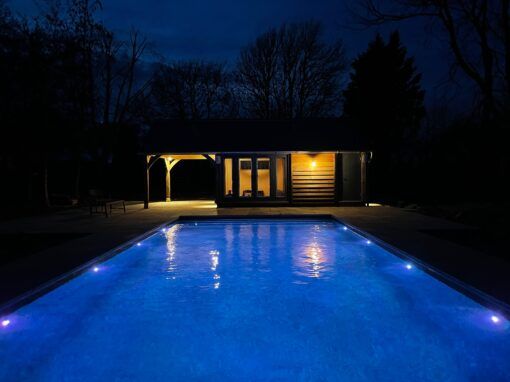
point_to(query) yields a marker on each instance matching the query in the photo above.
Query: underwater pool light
(95, 269)
(5, 323)
(368, 242)
(495, 319)
(409, 266)
(163, 230)
(138, 244)
(345, 228)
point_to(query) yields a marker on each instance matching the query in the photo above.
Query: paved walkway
(398, 227)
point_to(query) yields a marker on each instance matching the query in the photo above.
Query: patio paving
(96, 234)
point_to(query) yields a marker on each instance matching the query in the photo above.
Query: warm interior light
(313, 164)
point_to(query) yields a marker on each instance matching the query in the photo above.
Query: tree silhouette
(384, 99)
(478, 34)
(192, 90)
(290, 72)
(68, 89)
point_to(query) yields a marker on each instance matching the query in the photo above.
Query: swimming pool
(242, 300)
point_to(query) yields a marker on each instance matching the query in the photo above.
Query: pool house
(265, 162)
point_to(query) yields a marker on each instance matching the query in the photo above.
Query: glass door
(263, 177)
(281, 176)
(252, 177)
(245, 178)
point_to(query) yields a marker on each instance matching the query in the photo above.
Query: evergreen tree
(385, 100)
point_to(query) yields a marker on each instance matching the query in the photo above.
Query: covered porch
(170, 160)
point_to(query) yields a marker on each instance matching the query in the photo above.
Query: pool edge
(27, 297)
(467, 290)
(460, 286)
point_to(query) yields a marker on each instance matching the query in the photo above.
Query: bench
(106, 206)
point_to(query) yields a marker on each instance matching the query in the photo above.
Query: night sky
(217, 30)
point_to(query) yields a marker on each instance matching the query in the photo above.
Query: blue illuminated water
(260, 300)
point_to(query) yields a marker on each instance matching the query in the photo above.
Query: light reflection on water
(171, 250)
(314, 257)
(215, 260)
(312, 261)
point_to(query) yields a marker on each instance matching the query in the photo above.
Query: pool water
(254, 300)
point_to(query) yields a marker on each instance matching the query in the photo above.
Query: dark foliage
(384, 98)
(67, 96)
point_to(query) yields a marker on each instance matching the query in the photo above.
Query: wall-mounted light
(313, 164)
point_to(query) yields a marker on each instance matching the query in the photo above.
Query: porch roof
(251, 135)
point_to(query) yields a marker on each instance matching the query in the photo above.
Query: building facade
(260, 162)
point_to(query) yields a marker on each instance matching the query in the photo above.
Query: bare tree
(122, 87)
(478, 33)
(290, 72)
(119, 64)
(193, 90)
(72, 35)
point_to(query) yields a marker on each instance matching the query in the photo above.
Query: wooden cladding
(313, 178)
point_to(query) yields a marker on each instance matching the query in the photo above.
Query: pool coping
(467, 290)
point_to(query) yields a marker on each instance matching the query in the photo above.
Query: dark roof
(251, 135)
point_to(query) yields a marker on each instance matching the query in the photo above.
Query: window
(227, 169)
(280, 176)
(245, 189)
(263, 178)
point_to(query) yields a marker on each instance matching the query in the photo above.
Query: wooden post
(339, 177)
(147, 168)
(167, 182)
(169, 164)
(364, 178)
(220, 178)
(288, 179)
